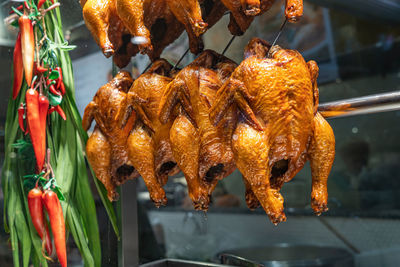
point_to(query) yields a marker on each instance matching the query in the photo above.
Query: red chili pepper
(59, 110)
(18, 67)
(21, 113)
(53, 207)
(36, 210)
(40, 3)
(19, 8)
(28, 46)
(39, 69)
(43, 108)
(35, 126)
(60, 82)
(62, 88)
(52, 88)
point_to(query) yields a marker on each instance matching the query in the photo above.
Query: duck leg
(185, 143)
(294, 10)
(132, 15)
(251, 199)
(322, 155)
(96, 15)
(251, 150)
(98, 152)
(141, 155)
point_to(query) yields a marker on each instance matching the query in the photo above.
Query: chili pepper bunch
(44, 96)
(47, 194)
(47, 87)
(24, 180)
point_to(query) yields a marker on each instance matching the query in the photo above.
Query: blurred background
(357, 47)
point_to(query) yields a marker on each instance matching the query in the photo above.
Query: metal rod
(148, 66)
(361, 105)
(278, 35)
(229, 44)
(179, 61)
(339, 235)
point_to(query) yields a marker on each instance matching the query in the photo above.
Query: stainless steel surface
(181, 263)
(129, 244)
(288, 255)
(361, 105)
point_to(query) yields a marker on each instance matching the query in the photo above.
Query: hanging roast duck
(201, 150)
(106, 147)
(148, 144)
(280, 127)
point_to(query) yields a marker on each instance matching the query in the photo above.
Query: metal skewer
(361, 105)
(179, 61)
(278, 35)
(229, 44)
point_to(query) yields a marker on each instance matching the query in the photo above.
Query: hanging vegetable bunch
(44, 176)
(43, 97)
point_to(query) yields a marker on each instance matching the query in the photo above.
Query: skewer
(361, 105)
(179, 61)
(278, 35)
(229, 44)
(148, 66)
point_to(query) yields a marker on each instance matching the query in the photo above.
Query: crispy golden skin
(244, 11)
(280, 127)
(151, 20)
(148, 144)
(106, 147)
(197, 16)
(202, 151)
(102, 20)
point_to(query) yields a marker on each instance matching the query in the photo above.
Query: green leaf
(55, 100)
(15, 24)
(54, 75)
(60, 195)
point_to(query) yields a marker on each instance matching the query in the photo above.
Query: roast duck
(202, 151)
(210, 118)
(157, 23)
(149, 145)
(106, 147)
(279, 128)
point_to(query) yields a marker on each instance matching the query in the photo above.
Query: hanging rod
(361, 105)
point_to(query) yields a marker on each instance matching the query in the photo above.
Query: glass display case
(357, 47)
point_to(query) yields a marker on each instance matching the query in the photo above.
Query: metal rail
(361, 105)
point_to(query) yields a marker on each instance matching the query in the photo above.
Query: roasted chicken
(148, 144)
(202, 151)
(244, 11)
(106, 148)
(280, 127)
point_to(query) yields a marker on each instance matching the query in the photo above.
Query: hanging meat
(160, 27)
(280, 127)
(106, 148)
(103, 22)
(197, 16)
(151, 22)
(148, 144)
(244, 11)
(202, 151)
